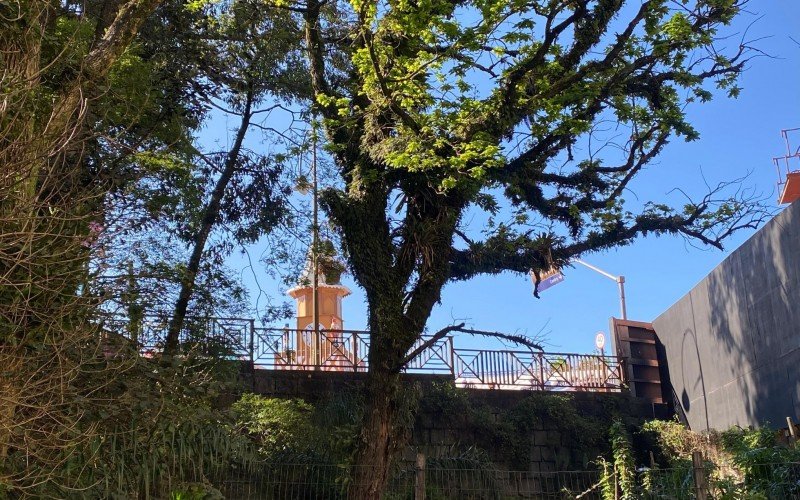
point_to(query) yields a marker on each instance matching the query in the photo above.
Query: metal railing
(209, 334)
(347, 351)
(488, 369)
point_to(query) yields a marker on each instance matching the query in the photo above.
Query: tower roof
(343, 290)
(329, 270)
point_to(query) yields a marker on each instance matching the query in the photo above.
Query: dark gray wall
(733, 342)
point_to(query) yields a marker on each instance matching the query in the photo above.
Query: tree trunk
(382, 434)
(210, 217)
(388, 416)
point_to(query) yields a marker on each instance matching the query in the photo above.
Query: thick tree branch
(434, 237)
(710, 221)
(436, 337)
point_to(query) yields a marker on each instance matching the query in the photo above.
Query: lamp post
(315, 247)
(620, 280)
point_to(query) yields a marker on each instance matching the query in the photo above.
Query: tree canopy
(440, 107)
(539, 114)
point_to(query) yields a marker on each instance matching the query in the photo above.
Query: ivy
(505, 433)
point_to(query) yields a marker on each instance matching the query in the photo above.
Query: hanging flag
(550, 278)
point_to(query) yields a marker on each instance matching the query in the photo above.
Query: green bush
(675, 442)
(741, 463)
(295, 431)
(196, 491)
(767, 467)
(276, 425)
(757, 446)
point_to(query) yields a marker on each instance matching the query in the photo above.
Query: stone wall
(519, 430)
(522, 430)
(312, 385)
(733, 342)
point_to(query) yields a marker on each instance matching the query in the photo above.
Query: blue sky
(737, 137)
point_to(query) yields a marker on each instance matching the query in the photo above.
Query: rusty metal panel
(636, 343)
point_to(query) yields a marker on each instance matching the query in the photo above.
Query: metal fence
(442, 480)
(488, 369)
(757, 481)
(347, 350)
(296, 481)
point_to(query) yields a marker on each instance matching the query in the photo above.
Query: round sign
(600, 340)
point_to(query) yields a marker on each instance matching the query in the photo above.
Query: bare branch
(460, 327)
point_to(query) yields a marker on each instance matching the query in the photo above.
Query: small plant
(624, 465)
(608, 485)
(196, 491)
(676, 441)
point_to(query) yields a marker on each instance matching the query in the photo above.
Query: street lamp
(620, 280)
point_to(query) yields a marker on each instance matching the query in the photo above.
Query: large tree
(441, 107)
(182, 200)
(251, 65)
(61, 62)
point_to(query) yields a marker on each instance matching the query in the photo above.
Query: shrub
(277, 425)
(742, 463)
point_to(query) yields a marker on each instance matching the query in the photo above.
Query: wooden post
(419, 478)
(700, 480)
(792, 430)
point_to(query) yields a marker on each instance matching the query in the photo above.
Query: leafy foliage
(444, 109)
(144, 433)
(756, 446)
(618, 476)
(624, 465)
(296, 431)
(184, 206)
(277, 425)
(674, 440)
(742, 463)
(498, 431)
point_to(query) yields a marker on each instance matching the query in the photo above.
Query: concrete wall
(733, 342)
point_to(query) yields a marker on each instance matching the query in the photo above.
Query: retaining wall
(486, 419)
